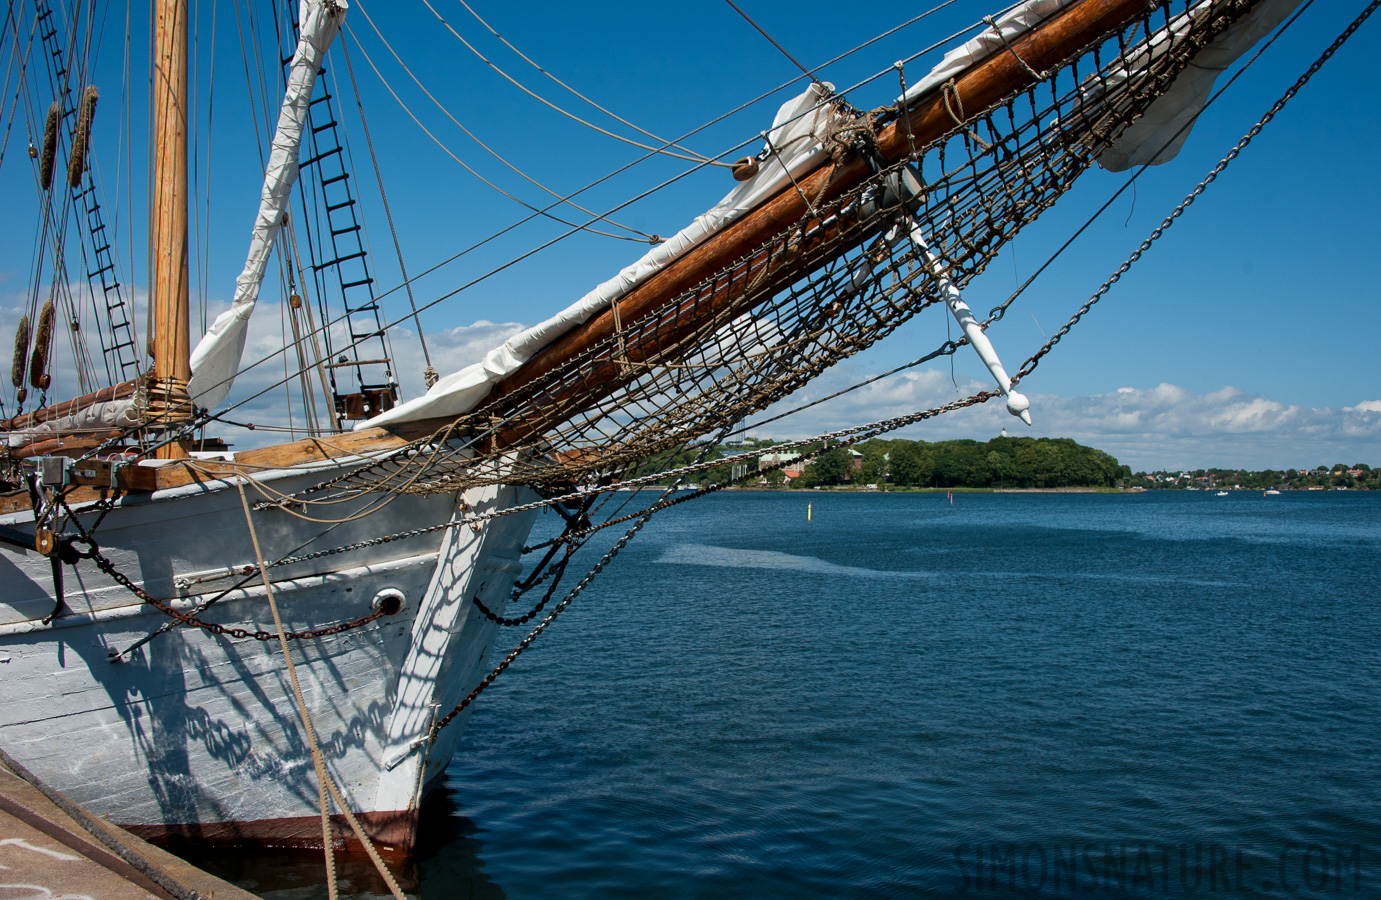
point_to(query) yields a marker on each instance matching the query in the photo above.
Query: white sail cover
(216, 358)
(795, 145)
(798, 134)
(108, 415)
(1009, 26)
(1157, 137)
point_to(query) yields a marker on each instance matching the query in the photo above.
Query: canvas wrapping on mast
(216, 359)
(107, 415)
(799, 132)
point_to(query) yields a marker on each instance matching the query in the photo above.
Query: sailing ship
(203, 644)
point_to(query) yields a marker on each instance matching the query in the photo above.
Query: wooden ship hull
(194, 736)
(193, 733)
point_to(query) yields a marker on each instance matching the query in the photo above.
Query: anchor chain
(93, 552)
(106, 566)
(854, 435)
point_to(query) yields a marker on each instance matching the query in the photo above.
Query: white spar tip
(1018, 405)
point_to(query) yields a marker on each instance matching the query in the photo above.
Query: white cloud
(450, 349)
(1165, 426)
(1160, 427)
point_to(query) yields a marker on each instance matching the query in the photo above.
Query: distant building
(793, 466)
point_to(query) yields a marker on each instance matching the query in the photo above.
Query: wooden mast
(170, 340)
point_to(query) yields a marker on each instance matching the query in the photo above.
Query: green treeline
(1003, 462)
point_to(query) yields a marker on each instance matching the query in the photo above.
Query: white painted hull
(196, 735)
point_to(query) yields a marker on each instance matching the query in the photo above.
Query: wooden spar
(68, 444)
(170, 342)
(70, 407)
(744, 244)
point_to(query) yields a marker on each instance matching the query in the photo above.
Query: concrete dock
(47, 855)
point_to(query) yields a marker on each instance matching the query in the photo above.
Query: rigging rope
(318, 763)
(773, 41)
(629, 165)
(691, 154)
(9, 68)
(753, 332)
(578, 228)
(846, 436)
(693, 157)
(997, 312)
(1030, 365)
(421, 335)
(467, 167)
(645, 515)
(556, 611)
(325, 782)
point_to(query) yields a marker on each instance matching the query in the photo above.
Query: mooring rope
(324, 780)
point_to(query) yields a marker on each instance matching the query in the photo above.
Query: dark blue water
(1157, 695)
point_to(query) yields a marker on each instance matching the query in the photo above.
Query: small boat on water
(1222, 493)
(1270, 493)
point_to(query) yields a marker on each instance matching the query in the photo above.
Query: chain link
(851, 436)
(106, 566)
(858, 434)
(93, 553)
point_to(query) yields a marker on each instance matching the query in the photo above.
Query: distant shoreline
(918, 490)
(839, 489)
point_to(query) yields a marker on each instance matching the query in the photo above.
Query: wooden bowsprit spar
(650, 371)
(746, 246)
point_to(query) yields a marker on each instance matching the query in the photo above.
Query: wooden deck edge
(196, 471)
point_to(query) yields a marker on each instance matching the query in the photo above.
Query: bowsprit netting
(842, 277)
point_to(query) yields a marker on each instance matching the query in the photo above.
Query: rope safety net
(844, 275)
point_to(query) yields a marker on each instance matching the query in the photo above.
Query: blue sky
(1247, 336)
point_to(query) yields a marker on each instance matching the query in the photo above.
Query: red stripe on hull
(394, 833)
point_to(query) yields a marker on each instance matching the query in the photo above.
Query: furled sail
(1160, 133)
(987, 142)
(216, 358)
(1001, 33)
(795, 144)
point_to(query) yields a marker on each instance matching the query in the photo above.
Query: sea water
(1169, 694)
